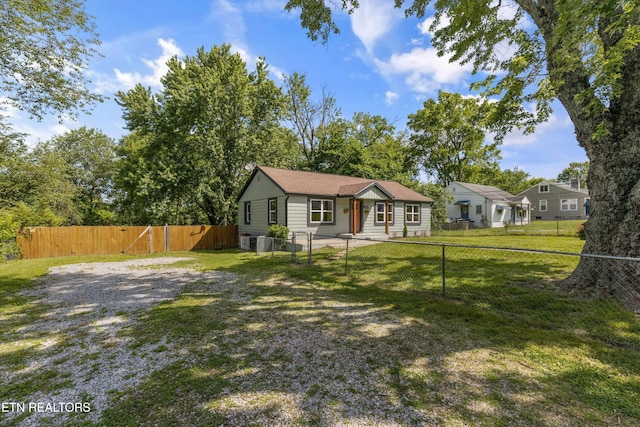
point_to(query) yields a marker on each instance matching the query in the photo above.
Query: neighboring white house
(486, 206)
(330, 205)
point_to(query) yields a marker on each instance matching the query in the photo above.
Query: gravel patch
(88, 306)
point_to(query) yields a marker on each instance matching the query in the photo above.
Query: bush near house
(278, 231)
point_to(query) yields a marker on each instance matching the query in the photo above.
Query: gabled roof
(492, 193)
(322, 184)
(562, 186)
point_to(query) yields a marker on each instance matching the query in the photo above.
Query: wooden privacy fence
(47, 242)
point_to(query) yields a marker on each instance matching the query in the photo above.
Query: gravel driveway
(308, 357)
(88, 306)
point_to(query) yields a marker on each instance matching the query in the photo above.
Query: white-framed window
(412, 213)
(569, 204)
(381, 209)
(543, 188)
(321, 211)
(247, 212)
(478, 209)
(273, 211)
(542, 205)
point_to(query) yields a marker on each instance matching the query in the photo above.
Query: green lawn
(504, 347)
(540, 228)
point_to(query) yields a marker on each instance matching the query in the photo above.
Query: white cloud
(260, 6)
(390, 97)
(157, 66)
(425, 71)
(557, 122)
(372, 20)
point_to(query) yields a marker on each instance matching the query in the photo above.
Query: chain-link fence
(296, 247)
(528, 286)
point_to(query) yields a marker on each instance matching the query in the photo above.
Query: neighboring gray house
(554, 200)
(330, 205)
(486, 206)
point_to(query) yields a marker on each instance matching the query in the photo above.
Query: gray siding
(298, 216)
(259, 191)
(553, 200)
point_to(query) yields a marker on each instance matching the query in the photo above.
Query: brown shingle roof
(322, 184)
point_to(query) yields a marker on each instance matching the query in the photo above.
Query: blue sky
(380, 63)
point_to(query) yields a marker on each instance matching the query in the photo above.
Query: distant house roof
(562, 186)
(322, 184)
(492, 193)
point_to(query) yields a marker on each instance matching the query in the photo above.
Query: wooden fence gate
(46, 242)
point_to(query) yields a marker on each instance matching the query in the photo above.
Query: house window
(412, 214)
(380, 212)
(569, 204)
(478, 209)
(542, 204)
(273, 211)
(321, 211)
(543, 188)
(247, 212)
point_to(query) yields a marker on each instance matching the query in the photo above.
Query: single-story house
(330, 205)
(556, 200)
(486, 206)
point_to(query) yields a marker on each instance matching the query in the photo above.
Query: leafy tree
(584, 53)
(198, 135)
(309, 120)
(45, 47)
(575, 170)
(366, 146)
(448, 138)
(89, 155)
(440, 197)
(512, 181)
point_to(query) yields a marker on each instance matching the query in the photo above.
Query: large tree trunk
(608, 128)
(614, 185)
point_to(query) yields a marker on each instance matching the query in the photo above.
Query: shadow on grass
(291, 344)
(307, 345)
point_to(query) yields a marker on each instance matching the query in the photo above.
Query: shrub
(278, 231)
(8, 231)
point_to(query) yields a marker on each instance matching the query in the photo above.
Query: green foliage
(440, 197)
(448, 138)
(89, 157)
(575, 170)
(8, 231)
(191, 144)
(46, 46)
(278, 231)
(512, 181)
(366, 146)
(310, 120)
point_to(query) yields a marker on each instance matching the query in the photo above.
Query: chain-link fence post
(293, 246)
(310, 246)
(444, 273)
(346, 259)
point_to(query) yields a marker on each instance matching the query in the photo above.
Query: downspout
(286, 211)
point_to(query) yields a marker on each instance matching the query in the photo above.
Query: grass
(504, 347)
(535, 228)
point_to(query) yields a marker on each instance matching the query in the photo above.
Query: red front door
(356, 216)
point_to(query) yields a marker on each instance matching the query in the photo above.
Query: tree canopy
(45, 47)
(448, 138)
(196, 138)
